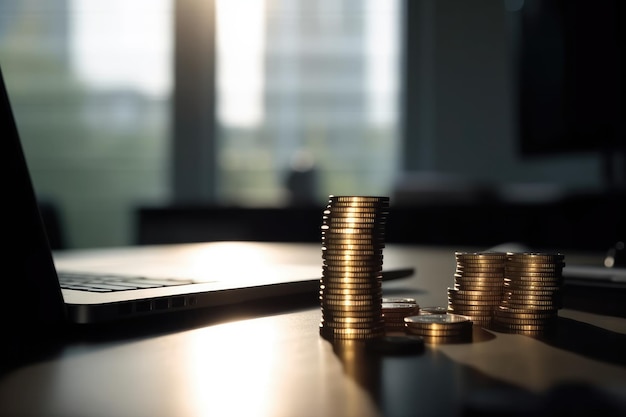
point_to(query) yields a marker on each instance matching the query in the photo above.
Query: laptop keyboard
(107, 282)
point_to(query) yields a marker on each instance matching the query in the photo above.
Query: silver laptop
(104, 286)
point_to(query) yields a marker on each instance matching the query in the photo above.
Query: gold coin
(437, 321)
(534, 277)
(529, 307)
(473, 293)
(433, 310)
(437, 332)
(373, 268)
(474, 298)
(339, 292)
(351, 210)
(331, 219)
(525, 327)
(529, 286)
(486, 268)
(352, 324)
(509, 320)
(520, 264)
(464, 310)
(352, 249)
(358, 206)
(533, 293)
(353, 258)
(400, 300)
(481, 255)
(399, 308)
(479, 281)
(376, 295)
(358, 198)
(352, 213)
(536, 257)
(333, 314)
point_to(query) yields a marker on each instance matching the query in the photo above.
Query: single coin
(368, 282)
(486, 268)
(375, 267)
(352, 240)
(349, 210)
(368, 259)
(433, 310)
(525, 327)
(525, 264)
(333, 314)
(549, 278)
(536, 257)
(350, 325)
(401, 300)
(509, 320)
(370, 227)
(352, 213)
(437, 332)
(358, 206)
(336, 294)
(331, 219)
(358, 198)
(356, 332)
(437, 321)
(473, 293)
(358, 251)
(480, 255)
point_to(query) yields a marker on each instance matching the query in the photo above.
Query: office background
(115, 103)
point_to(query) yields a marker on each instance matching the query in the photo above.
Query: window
(299, 84)
(90, 85)
(306, 85)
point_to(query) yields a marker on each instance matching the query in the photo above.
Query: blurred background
(150, 121)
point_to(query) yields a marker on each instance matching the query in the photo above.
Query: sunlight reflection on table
(245, 390)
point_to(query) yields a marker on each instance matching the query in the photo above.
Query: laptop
(44, 289)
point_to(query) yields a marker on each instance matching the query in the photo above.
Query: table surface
(273, 362)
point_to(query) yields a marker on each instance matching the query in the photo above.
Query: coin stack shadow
(353, 238)
(532, 294)
(478, 285)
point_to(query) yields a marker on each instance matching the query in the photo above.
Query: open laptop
(163, 279)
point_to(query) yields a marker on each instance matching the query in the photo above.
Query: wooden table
(271, 361)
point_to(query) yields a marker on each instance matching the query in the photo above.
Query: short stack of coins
(532, 294)
(395, 309)
(353, 238)
(478, 285)
(440, 328)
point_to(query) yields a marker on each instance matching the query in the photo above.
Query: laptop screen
(32, 296)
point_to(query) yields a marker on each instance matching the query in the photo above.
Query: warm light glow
(236, 260)
(241, 390)
(119, 44)
(240, 54)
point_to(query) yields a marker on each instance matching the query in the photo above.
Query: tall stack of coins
(532, 294)
(353, 238)
(478, 285)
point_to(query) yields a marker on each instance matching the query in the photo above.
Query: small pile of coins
(395, 309)
(353, 238)
(478, 285)
(532, 294)
(440, 328)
